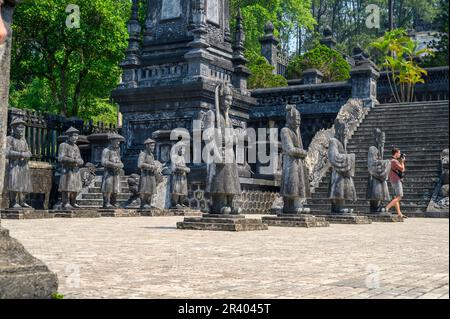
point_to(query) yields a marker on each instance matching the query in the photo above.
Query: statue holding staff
(342, 187)
(377, 189)
(294, 181)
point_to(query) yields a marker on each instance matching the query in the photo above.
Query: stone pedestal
(185, 212)
(21, 275)
(119, 213)
(218, 222)
(155, 212)
(79, 213)
(385, 218)
(348, 219)
(25, 214)
(295, 220)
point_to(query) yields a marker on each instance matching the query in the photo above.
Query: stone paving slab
(150, 258)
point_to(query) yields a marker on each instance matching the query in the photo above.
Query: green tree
(440, 45)
(330, 62)
(286, 15)
(262, 73)
(400, 55)
(68, 70)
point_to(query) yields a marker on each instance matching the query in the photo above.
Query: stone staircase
(420, 130)
(92, 197)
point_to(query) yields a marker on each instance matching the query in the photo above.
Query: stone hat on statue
(115, 136)
(149, 141)
(72, 130)
(17, 121)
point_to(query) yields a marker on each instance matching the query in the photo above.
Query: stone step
(438, 146)
(99, 190)
(365, 208)
(432, 155)
(120, 196)
(392, 126)
(426, 104)
(95, 202)
(362, 187)
(122, 184)
(438, 137)
(424, 114)
(415, 161)
(400, 133)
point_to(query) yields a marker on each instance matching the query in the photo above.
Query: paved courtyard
(149, 258)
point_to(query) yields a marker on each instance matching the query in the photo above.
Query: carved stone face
(150, 147)
(380, 138)
(19, 131)
(293, 119)
(115, 144)
(227, 102)
(73, 138)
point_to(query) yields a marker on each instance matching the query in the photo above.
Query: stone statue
(179, 189)
(88, 174)
(18, 155)
(133, 188)
(149, 174)
(342, 187)
(377, 189)
(222, 177)
(113, 167)
(294, 181)
(70, 160)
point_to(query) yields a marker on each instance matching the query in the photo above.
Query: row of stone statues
(222, 176)
(71, 179)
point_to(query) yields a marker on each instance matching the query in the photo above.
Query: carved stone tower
(173, 64)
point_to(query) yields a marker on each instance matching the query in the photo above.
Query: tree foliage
(70, 71)
(400, 55)
(262, 74)
(330, 62)
(440, 45)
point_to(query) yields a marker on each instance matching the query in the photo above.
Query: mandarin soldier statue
(222, 174)
(342, 187)
(113, 166)
(18, 154)
(69, 157)
(295, 180)
(150, 174)
(379, 169)
(179, 188)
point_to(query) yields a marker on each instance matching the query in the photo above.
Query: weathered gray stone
(214, 222)
(379, 169)
(25, 214)
(342, 187)
(69, 157)
(21, 275)
(113, 166)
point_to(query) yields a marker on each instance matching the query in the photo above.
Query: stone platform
(77, 213)
(185, 212)
(385, 218)
(22, 275)
(353, 219)
(119, 212)
(295, 220)
(218, 222)
(25, 214)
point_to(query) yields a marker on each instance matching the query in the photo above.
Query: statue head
(340, 130)
(72, 135)
(227, 97)
(293, 117)
(150, 145)
(18, 127)
(115, 140)
(91, 167)
(380, 137)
